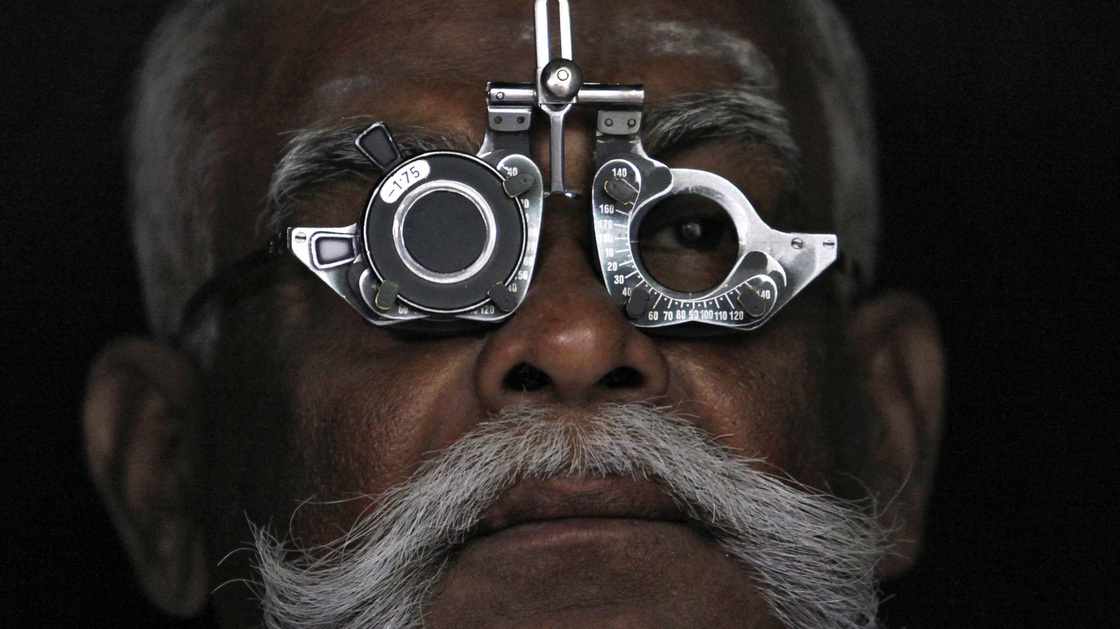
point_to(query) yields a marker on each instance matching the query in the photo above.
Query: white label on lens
(403, 179)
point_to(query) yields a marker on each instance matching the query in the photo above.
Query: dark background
(999, 187)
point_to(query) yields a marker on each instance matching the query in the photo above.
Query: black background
(999, 186)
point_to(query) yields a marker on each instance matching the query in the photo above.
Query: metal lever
(544, 48)
(557, 85)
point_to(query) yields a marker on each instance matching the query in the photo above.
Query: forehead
(321, 58)
(472, 42)
(301, 64)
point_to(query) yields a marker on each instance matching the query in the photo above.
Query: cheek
(366, 414)
(760, 393)
(352, 411)
(371, 410)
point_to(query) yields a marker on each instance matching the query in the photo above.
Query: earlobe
(138, 428)
(896, 339)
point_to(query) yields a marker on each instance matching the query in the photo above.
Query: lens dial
(440, 231)
(444, 236)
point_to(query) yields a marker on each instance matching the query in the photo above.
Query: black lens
(687, 243)
(444, 231)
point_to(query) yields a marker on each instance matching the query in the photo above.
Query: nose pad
(568, 343)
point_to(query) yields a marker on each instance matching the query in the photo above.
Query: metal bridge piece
(554, 94)
(556, 148)
(509, 114)
(544, 47)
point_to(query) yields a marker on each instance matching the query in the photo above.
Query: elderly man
(316, 447)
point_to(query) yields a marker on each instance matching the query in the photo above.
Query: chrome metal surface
(769, 269)
(543, 39)
(480, 204)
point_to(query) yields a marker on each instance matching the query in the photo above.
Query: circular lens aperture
(444, 232)
(687, 243)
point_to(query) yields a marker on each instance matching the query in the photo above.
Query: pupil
(687, 243)
(699, 234)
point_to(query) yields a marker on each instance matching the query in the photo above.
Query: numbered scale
(770, 269)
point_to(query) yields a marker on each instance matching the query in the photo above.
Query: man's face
(312, 413)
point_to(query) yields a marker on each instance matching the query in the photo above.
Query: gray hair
(171, 151)
(169, 158)
(813, 555)
(841, 77)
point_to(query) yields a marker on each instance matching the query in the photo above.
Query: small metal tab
(386, 295)
(555, 95)
(377, 144)
(502, 298)
(638, 303)
(518, 184)
(759, 295)
(509, 119)
(621, 190)
(618, 122)
(329, 250)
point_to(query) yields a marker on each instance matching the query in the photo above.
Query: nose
(568, 343)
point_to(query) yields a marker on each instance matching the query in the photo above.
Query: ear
(138, 427)
(895, 337)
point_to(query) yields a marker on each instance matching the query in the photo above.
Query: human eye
(687, 243)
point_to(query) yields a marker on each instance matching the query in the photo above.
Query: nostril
(526, 378)
(622, 378)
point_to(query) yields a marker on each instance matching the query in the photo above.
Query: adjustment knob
(758, 296)
(620, 190)
(377, 144)
(562, 79)
(518, 184)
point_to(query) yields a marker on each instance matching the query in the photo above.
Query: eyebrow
(316, 155)
(744, 114)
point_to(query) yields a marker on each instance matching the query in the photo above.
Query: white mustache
(815, 555)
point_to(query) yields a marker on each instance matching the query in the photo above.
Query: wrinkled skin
(300, 399)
